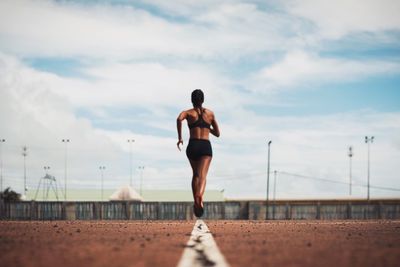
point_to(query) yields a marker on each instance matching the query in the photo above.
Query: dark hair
(197, 97)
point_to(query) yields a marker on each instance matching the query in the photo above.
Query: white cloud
(186, 8)
(159, 90)
(335, 19)
(148, 84)
(32, 115)
(227, 31)
(299, 68)
(54, 29)
(220, 30)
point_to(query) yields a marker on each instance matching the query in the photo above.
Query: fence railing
(229, 210)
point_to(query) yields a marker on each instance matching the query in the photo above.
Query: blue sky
(296, 72)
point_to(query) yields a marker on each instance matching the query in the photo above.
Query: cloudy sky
(313, 76)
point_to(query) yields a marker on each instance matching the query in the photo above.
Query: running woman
(201, 122)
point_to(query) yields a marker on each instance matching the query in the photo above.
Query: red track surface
(161, 243)
(94, 243)
(309, 243)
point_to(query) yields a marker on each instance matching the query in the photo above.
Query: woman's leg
(203, 166)
(195, 181)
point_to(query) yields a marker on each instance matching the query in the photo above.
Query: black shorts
(198, 148)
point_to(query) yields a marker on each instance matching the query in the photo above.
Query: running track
(197, 243)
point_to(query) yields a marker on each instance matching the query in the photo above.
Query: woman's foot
(198, 211)
(198, 207)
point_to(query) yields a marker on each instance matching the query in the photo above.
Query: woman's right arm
(179, 120)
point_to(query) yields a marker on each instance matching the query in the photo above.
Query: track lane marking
(201, 249)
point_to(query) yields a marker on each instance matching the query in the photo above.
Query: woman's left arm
(214, 129)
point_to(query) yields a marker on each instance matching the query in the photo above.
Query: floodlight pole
(1, 164)
(45, 182)
(269, 156)
(274, 185)
(368, 140)
(24, 154)
(141, 168)
(273, 213)
(65, 141)
(102, 168)
(350, 154)
(130, 141)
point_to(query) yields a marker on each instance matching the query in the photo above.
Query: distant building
(126, 193)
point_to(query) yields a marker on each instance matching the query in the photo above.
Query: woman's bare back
(193, 115)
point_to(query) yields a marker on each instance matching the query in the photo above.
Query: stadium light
(65, 141)
(24, 154)
(130, 141)
(141, 168)
(350, 154)
(1, 164)
(102, 168)
(274, 196)
(274, 207)
(269, 156)
(368, 140)
(46, 169)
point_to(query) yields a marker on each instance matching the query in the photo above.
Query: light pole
(269, 155)
(274, 185)
(130, 141)
(65, 141)
(24, 154)
(368, 140)
(141, 168)
(350, 154)
(273, 211)
(45, 182)
(102, 168)
(1, 164)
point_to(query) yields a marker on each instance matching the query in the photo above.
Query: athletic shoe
(198, 211)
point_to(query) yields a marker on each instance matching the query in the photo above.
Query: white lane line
(201, 249)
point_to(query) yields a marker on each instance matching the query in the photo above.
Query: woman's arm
(214, 130)
(179, 120)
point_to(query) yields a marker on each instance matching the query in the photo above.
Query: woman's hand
(180, 142)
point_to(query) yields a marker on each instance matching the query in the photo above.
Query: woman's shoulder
(208, 111)
(193, 111)
(190, 110)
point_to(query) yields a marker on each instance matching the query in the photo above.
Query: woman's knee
(201, 179)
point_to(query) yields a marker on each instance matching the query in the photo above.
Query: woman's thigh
(195, 166)
(204, 164)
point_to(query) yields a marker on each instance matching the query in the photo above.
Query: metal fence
(228, 210)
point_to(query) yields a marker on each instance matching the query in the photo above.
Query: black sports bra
(201, 123)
